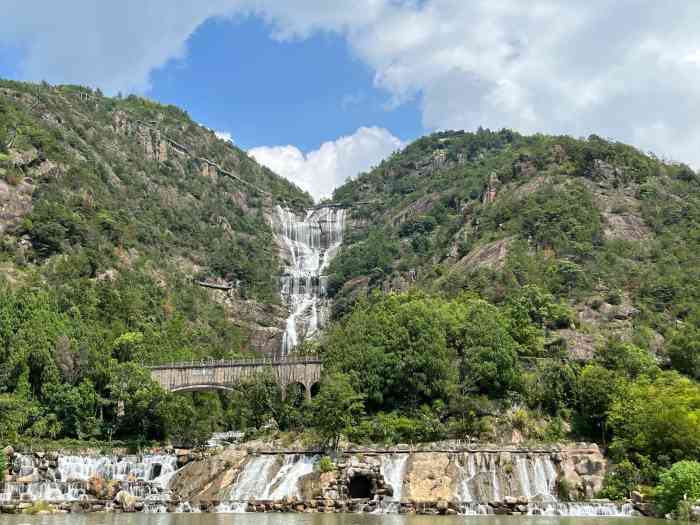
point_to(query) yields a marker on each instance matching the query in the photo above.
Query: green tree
(336, 408)
(395, 350)
(684, 351)
(619, 483)
(680, 482)
(3, 463)
(596, 389)
(489, 361)
(627, 359)
(657, 417)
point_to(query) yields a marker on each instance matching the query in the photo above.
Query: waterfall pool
(308, 519)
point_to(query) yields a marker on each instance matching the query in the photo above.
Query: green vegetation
(98, 267)
(490, 282)
(326, 464)
(681, 482)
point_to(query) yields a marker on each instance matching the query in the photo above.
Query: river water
(307, 519)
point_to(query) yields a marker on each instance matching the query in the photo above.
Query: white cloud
(626, 70)
(322, 170)
(224, 135)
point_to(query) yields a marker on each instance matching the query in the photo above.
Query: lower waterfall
(67, 477)
(488, 476)
(393, 469)
(265, 478)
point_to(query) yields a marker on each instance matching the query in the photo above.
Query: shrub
(620, 481)
(564, 490)
(326, 464)
(680, 482)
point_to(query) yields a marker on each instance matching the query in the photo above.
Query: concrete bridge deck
(224, 375)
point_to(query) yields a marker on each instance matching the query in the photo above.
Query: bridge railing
(255, 361)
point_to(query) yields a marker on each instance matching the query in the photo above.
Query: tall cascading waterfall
(309, 245)
(66, 477)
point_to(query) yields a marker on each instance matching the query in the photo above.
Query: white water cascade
(66, 477)
(265, 478)
(393, 469)
(309, 245)
(483, 476)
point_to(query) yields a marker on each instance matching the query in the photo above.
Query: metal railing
(264, 361)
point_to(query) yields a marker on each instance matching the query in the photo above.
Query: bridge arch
(314, 389)
(296, 392)
(201, 388)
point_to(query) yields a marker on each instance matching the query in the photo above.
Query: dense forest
(491, 287)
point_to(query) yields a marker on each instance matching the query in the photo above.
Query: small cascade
(187, 507)
(309, 245)
(285, 484)
(475, 509)
(489, 476)
(263, 478)
(580, 509)
(253, 479)
(393, 469)
(67, 477)
(234, 507)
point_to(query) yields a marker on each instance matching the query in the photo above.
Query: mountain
(610, 232)
(115, 208)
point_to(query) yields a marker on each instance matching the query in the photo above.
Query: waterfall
(558, 509)
(393, 469)
(253, 479)
(259, 481)
(66, 477)
(579, 509)
(309, 245)
(489, 476)
(521, 465)
(466, 475)
(286, 483)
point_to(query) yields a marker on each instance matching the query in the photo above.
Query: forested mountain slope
(610, 232)
(110, 210)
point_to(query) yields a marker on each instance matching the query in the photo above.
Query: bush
(564, 490)
(620, 481)
(3, 464)
(681, 482)
(326, 464)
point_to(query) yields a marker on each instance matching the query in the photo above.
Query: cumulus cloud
(224, 135)
(322, 170)
(625, 70)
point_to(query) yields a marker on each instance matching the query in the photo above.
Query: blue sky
(263, 91)
(320, 90)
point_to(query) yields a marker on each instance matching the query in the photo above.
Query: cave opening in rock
(156, 470)
(360, 487)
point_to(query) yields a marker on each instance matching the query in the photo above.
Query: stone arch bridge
(197, 376)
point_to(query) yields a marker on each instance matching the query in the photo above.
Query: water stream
(309, 243)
